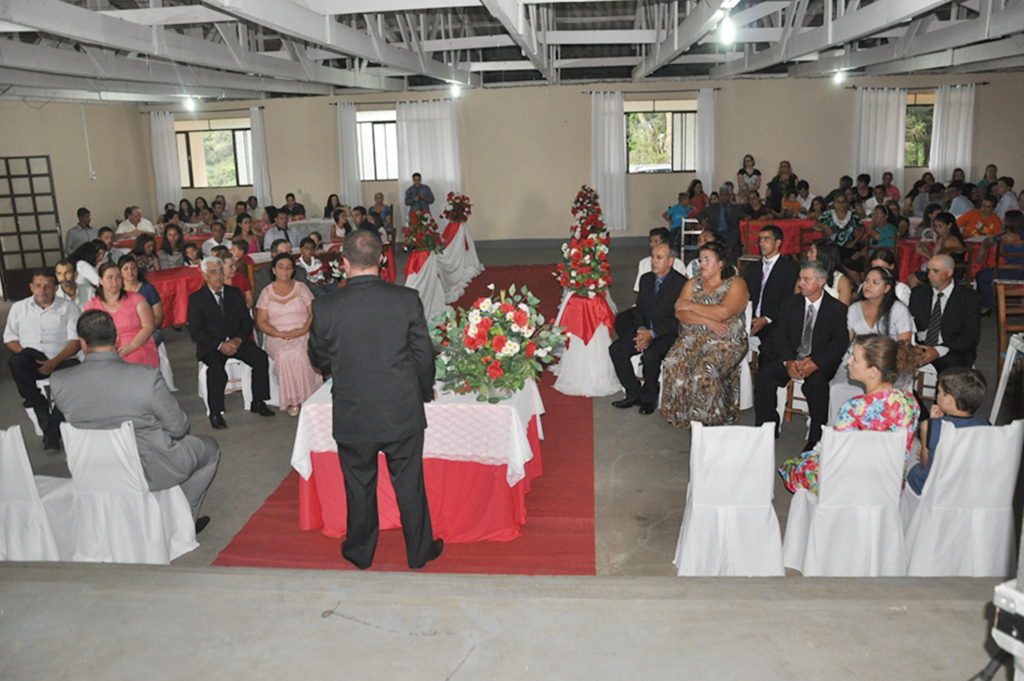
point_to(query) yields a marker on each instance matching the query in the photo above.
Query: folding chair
(239, 380)
(1009, 312)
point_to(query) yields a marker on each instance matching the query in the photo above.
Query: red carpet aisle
(558, 538)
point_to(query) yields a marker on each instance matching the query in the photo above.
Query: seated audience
(217, 312)
(333, 204)
(384, 211)
(218, 209)
(936, 193)
(698, 199)
(135, 280)
(724, 218)
(702, 370)
(217, 238)
(318, 243)
(41, 336)
(145, 253)
(87, 258)
(755, 209)
(770, 282)
(959, 395)
(649, 329)
(981, 221)
(292, 209)
(284, 315)
(1011, 245)
(880, 234)
(955, 199)
(887, 260)
(808, 345)
(845, 185)
(134, 224)
(232, 224)
(782, 185)
(186, 211)
(265, 275)
(837, 285)
(748, 176)
(68, 287)
(674, 216)
(172, 248)
(878, 362)
(818, 208)
(920, 187)
(878, 198)
(948, 318)
(113, 254)
(658, 235)
(239, 251)
(805, 197)
(891, 191)
(244, 231)
(193, 256)
(316, 271)
(791, 208)
(842, 226)
(132, 315)
(105, 391)
(201, 205)
(1007, 199)
(280, 229)
(341, 227)
(862, 191)
(691, 270)
(81, 233)
(948, 241)
(233, 277)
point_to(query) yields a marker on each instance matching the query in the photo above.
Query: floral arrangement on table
(338, 273)
(421, 233)
(458, 208)
(493, 348)
(585, 270)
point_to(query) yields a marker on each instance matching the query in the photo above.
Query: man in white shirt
(134, 224)
(877, 199)
(280, 230)
(1007, 199)
(804, 196)
(658, 235)
(80, 233)
(106, 235)
(42, 337)
(217, 239)
(68, 287)
(958, 203)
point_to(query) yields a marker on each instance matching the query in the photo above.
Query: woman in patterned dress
(877, 362)
(843, 226)
(701, 380)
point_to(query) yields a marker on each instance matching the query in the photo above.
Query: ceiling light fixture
(727, 31)
(839, 78)
(190, 104)
(456, 90)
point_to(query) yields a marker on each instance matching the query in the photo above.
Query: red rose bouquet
(493, 348)
(421, 233)
(585, 270)
(458, 208)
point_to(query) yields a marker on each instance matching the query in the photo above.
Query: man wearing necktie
(948, 318)
(807, 346)
(649, 329)
(280, 230)
(771, 281)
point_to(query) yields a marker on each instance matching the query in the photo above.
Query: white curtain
(608, 157)
(706, 138)
(165, 158)
(351, 191)
(952, 130)
(260, 165)
(879, 132)
(428, 144)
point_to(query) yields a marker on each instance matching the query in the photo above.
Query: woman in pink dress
(284, 313)
(132, 315)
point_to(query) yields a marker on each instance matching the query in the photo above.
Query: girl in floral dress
(877, 361)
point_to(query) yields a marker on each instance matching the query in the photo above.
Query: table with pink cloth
(479, 460)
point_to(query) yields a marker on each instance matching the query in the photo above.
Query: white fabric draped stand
(427, 283)
(459, 264)
(585, 368)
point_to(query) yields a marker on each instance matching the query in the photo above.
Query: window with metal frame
(661, 136)
(378, 145)
(918, 143)
(30, 235)
(215, 152)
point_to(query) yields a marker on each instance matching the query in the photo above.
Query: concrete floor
(635, 619)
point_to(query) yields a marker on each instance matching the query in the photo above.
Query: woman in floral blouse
(877, 361)
(842, 226)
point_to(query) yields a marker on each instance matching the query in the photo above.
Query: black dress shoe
(646, 409)
(217, 420)
(201, 523)
(438, 548)
(261, 409)
(626, 403)
(51, 443)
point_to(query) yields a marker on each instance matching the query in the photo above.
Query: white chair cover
(165, 368)
(780, 402)
(427, 283)
(459, 264)
(962, 524)
(729, 525)
(746, 379)
(119, 520)
(852, 529)
(585, 368)
(240, 378)
(43, 384)
(26, 532)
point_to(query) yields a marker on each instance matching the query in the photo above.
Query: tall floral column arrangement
(459, 262)
(422, 271)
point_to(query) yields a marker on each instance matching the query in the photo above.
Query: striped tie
(935, 323)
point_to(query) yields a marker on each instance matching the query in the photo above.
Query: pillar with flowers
(458, 262)
(422, 271)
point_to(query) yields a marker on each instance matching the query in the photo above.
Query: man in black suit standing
(373, 337)
(808, 345)
(220, 326)
(771, 281)
(650, 328)
(948, 318)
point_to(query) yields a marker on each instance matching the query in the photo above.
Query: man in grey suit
(373, 337)
(104, 391)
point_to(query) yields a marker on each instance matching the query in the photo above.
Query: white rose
(474, 317)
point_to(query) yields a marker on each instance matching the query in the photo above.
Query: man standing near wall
(80, 233)
(418, 196)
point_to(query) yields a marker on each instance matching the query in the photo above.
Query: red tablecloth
(582, 316)
(414, 263)
(791, 231)
(130, 243)
(908, 260)
(449, 233)
(175, 286)
(469, 502)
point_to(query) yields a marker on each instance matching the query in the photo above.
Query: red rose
(486, 358)
(495, 371)
(506, 308)
(479, 302)
(531, 347)
(485, 325)
(444, 343)
(481, 337)
(471, 343)
(576, 255)
(521, 317)
(498, 342)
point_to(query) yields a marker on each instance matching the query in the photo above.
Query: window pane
(391, 130)
(183, 160)
(380, 149)
(218, 147)
(366, 152)
(376, 116)
(41, 185)
(918, 143)
(243, 151)
(650, 143)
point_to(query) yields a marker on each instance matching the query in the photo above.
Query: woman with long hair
(837, 284)
(748, 175)
(200, 205)
(244, 231)
(698, 199)
(172, 248)
(186, 211)
(333, 204)
(132, 315)
(145, 253)
(134, 280)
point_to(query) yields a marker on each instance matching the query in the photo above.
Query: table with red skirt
(129, 244)
(797, 234)
(908, 260)
(175, 286)
(479, 460)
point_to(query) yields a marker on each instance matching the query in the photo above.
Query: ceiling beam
(168, 16)
(290, 19)
(696, 24)
(609, 37)
(476, 42)
(512, 17)
(66, 20)
(880, 15)
(961, 56)
(332, 7)
(49, 81)
(51, 95)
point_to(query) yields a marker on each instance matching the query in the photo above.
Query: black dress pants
(25, 371)
(771, 377)
(405, 464)
(217, 377)
(622, 352)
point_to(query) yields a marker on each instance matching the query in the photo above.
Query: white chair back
(963, 524)
(25, 531)
(729, 525)
(119, 520)
(165, 368)
(746, 380)
(852, 529)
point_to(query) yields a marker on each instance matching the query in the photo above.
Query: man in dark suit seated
(373, 338)
(650, 328)
(104, 391)
(948, 318)
(809, 343)
(771, 281)
(724, 218)
(220, 326)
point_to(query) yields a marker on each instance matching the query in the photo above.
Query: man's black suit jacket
(209, 327)
(711, 216)
(374, 338)
(961, 319)
(657, 312)
(780, 285)
(829, 342)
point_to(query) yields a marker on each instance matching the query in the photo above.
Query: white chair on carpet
(962, 525)
(34, 510)
(239, 379)
(729, 525)
(165, 367)
(118, 519)
(852, 528)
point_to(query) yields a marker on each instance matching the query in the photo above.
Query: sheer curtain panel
(260, 166)
(879, 132)
(351, 191)
(952, 130)
(706, 138)
(165, 158)
(608, 157)
(428, 144)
